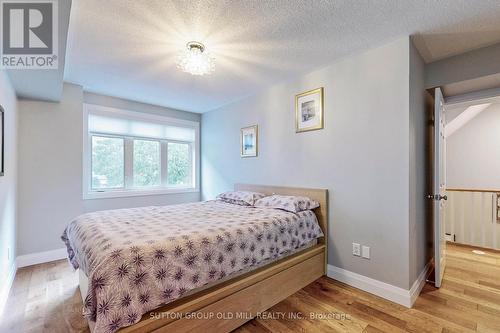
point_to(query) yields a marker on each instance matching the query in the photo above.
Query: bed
(194, 267)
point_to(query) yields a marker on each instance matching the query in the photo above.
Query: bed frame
(250, 293)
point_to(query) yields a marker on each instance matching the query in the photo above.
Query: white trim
(88, 194)
(5, 288)
(87, 167)
(41, 257)
(136, 193)
(388, 291)
(419, 283)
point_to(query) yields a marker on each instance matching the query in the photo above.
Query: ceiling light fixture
(196, 60)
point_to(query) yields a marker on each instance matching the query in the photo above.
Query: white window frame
(129, 190)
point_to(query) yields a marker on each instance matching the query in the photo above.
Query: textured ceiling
(128, 48)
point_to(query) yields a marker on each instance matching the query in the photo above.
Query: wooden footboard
(225, 307)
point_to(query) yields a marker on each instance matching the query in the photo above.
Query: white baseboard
(419, 283)
(388, 291)
(41, 257)
(5, 287)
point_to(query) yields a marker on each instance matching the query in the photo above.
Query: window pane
(107, 163)
(179, 164)
(146, 163)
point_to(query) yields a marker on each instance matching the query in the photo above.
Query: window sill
(136, 193)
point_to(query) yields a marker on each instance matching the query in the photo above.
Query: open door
(439, 195)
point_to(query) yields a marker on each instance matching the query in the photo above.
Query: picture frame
(309, 111)
(249, 141)
(2, 141)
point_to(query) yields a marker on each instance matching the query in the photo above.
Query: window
(179, 164)
(130, 153)
(147, 163)
(107, 163)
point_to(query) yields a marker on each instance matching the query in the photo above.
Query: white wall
(50, 167)
(8, 183)
(473, 152)
(362, 156)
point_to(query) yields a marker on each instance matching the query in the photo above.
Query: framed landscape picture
(2, 141)
(249, 141)
(309, 110)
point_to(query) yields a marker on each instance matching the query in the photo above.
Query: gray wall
(361, 156)
(8, 183)
(50, 167)
(420, 223)
(120, 103)
(466, 66)
(473, 152)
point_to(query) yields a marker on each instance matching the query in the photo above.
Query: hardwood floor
(45, 298)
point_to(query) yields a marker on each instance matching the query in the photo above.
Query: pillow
(289, 203)
(242, 198)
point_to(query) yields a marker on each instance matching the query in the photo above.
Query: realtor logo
(29, 34)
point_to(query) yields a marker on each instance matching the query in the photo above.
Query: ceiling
(457, 117)
(128, 49)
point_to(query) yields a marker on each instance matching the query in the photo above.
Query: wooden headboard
(320, 195)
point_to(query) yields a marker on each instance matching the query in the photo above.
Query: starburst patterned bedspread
(138, 259)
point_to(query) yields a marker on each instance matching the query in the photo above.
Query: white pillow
(289, 203)
(242, 198)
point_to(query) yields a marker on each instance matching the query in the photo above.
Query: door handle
(437, 197)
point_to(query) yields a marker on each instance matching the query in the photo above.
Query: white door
(439, 187)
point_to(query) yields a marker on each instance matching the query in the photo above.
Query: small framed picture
(2, 141)
(309, 110)
(249, 141)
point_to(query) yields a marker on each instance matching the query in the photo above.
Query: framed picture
(2, 141)
(309, 110)
(249, 141)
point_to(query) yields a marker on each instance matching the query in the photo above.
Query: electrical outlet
(356, 249)
(365, 252)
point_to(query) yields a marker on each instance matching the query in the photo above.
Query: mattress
(139, 259)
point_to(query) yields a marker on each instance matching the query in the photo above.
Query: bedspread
(138, 259)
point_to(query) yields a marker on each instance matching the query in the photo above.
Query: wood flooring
(45, 298)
